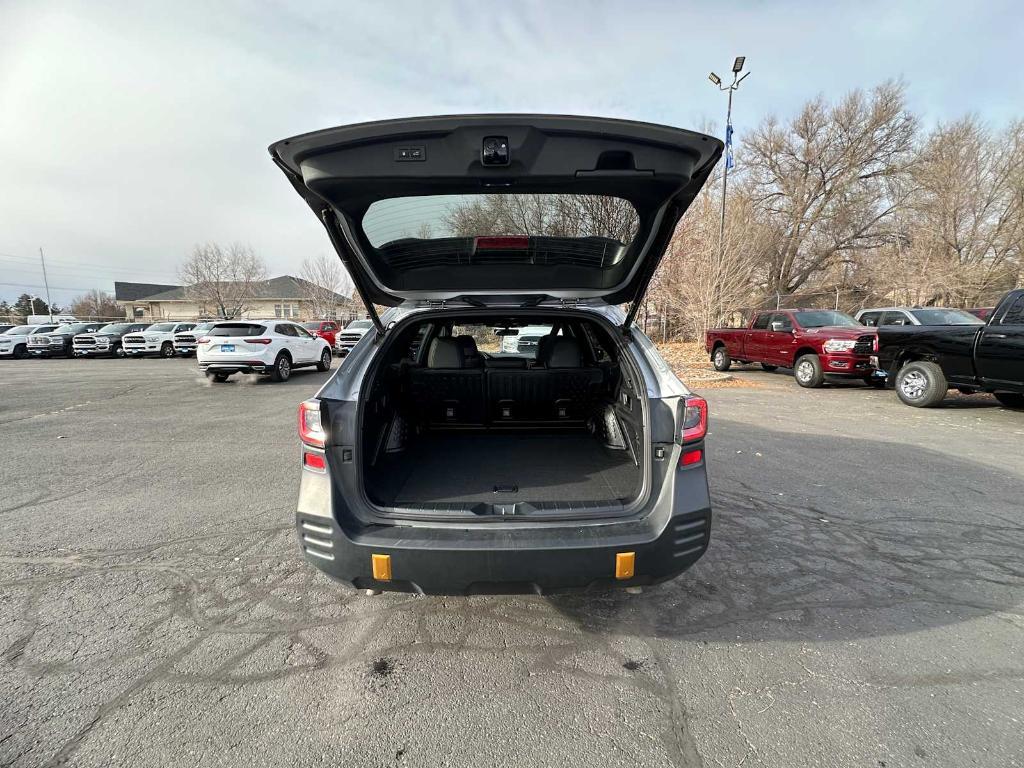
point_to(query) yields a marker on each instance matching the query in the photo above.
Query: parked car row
(923, 351)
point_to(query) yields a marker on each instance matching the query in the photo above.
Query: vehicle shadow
(860, 538)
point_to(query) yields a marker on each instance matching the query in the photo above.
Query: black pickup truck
(925, 361)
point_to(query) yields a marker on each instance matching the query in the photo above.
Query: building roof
(133, 291)
(283, 287)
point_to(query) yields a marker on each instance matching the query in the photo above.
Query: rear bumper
(502, 558)
(240, 366)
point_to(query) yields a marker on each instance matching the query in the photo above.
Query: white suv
(158, 339)
(269, 347)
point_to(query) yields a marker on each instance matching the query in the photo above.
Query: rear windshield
(236, 329)
(825, 318)
(945, 317)
(545, 229)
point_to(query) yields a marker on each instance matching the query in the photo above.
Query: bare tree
(545, 215)
(96, 304)
(697, 281)
(223, 279)
(325, 280)
(825, 181)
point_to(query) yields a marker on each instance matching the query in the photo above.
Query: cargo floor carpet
(468, 467)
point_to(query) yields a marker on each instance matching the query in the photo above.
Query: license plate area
(227, 347)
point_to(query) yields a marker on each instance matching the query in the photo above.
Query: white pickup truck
(157, 339)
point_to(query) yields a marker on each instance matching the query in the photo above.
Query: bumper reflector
(624, 564)
(691, 457)
(381, 567)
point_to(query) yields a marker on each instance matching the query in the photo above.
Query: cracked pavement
(860, 605)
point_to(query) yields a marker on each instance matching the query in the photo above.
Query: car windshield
(236, 329)
(45, 329)
(945, 317)
(162, 327)
(825, 318)
(115, 328)
(69, 330)
(358, 325)
(312, 326)
(21, 330)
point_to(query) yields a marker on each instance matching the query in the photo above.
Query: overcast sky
(130, 131)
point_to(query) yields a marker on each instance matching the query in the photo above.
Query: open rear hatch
(485, 206)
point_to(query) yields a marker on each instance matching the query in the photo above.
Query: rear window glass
(236, 329)
(589, 230)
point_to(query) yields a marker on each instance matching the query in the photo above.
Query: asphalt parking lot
(860, 605)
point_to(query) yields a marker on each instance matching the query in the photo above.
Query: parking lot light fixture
(715, 79)
(737, 66)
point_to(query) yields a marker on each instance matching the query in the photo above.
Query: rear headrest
(469, 351)
(445, 353)
(543, 347)
(563, 353)
(506, 362)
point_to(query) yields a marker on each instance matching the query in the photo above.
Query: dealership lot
(861, 602)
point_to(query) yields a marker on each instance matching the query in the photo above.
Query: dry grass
(692, 364)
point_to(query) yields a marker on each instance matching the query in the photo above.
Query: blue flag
(728, 146)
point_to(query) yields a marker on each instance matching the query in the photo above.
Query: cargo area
(507, 416)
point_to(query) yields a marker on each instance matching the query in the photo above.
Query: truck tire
(167, 349)
(282, 368)
(118, 351)
(326, 358)
(720, 358)
(921, 384)
(1010, 399)
(769, 368)
(20, 352)
(808, 371)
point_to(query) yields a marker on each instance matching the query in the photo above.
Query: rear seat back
(445, 391)
(558, 389)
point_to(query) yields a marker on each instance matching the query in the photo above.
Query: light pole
(737, 67)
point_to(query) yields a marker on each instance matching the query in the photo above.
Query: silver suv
(437, 460)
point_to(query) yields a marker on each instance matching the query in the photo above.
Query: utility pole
(46, 283)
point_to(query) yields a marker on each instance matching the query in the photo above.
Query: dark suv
(436, 462)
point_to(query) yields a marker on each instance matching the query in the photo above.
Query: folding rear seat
(572, 389)
(446, 391)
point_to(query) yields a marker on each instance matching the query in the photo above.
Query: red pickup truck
(815, 343)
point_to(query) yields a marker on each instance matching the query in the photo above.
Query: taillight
(311, 430)
(258, 341)
(203, 340)
(874, 343)
(695, 419)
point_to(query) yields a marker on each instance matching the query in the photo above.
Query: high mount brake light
(311, 430)
(695, 419)
(503, 243)
(258, 341)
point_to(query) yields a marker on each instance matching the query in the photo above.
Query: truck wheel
(769, 368)
(1010, 399)
(325, 361)
(720, 358)
(282, 368)
(20, 352)
(167, 349)
(117, 351)
(921, 384)
(808, 371)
